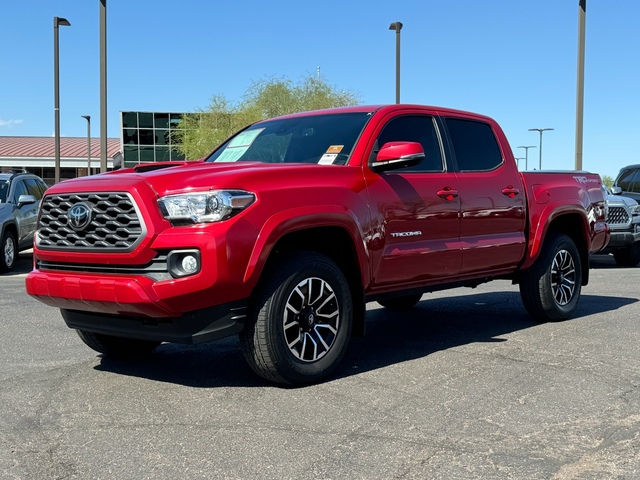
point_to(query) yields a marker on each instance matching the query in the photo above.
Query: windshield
(322, 139)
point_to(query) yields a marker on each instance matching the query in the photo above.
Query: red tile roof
(44, 147)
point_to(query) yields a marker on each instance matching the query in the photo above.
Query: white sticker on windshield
(330, 155)
(239, 145)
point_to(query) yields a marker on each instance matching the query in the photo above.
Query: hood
(621, 200)
(165, 179)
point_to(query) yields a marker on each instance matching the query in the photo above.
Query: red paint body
(473, 226)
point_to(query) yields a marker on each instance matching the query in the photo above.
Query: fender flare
(540, 230)
(303, 218)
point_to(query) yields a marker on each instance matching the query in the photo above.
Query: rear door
(492, 200)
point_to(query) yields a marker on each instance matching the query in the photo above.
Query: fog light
(182, 263)
(190, 264)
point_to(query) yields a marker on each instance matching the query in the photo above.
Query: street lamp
(88, 119)
(526, 154)
(518, 161)
(582, 15)
(57, 21)
(397, 26)
(103, 86)
(540, 130)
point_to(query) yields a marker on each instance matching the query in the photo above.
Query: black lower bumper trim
(200, 326)
(623, 239)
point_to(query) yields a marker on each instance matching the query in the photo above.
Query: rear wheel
(8, 252)
(117, 346)
(550, 289)
(301, 321)
(628, 257)
(401, 303)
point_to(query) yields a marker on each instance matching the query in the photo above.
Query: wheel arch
(576, 227)
(336, 243)
(10, 227)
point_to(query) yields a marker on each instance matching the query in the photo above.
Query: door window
(415, 128)
(474, 145)
(33, 187)
(626, 180)
(20, 189)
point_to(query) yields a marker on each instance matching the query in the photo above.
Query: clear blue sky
(514, 60)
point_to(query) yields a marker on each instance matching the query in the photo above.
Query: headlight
(635, 209)
(205, 207)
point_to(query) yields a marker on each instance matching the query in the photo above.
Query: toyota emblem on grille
(79, 216)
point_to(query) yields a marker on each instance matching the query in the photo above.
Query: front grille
(618, 216)
(114, 225)
(157, 269)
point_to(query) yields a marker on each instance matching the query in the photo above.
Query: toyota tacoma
(287, 229)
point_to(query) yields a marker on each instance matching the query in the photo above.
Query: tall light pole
(518, 161)
(103, 86)
(397, 26)
(582, 14)
(526, 154)
(540, 149)
(88, 119)
(57, 21)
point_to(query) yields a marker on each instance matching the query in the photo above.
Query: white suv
(20, 195)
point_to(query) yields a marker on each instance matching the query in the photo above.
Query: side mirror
(616, 190)
(26, 200)
(394, 155)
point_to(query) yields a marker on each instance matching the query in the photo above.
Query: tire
(550, 289)
(401, 303)
(117, 347)
(628, 257)
(300, 321)
(8, 252)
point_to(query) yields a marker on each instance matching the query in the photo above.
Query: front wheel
(301, 321)
(118, 347)
(8, 252)
(550, 289)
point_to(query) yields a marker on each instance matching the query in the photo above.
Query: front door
(415, 210)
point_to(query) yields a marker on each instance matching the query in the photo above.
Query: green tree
(202, 130)
(607, 180)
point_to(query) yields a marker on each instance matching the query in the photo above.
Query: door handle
(510, 191)
(447, 193)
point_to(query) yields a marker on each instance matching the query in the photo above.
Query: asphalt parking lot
(465, 386)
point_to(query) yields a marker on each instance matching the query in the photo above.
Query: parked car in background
(623, 218)
(627, 182)
(20, 195)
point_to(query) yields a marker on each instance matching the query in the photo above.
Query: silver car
(624, 222)
(20, 195)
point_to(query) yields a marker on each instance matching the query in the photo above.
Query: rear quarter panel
(553, 195)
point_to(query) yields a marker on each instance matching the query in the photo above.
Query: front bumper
(623, 239)
(139, 284)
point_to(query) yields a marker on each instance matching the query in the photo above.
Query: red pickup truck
(286, 230)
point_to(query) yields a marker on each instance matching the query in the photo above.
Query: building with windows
(144, 137)
(37, 155)
(148, 137)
